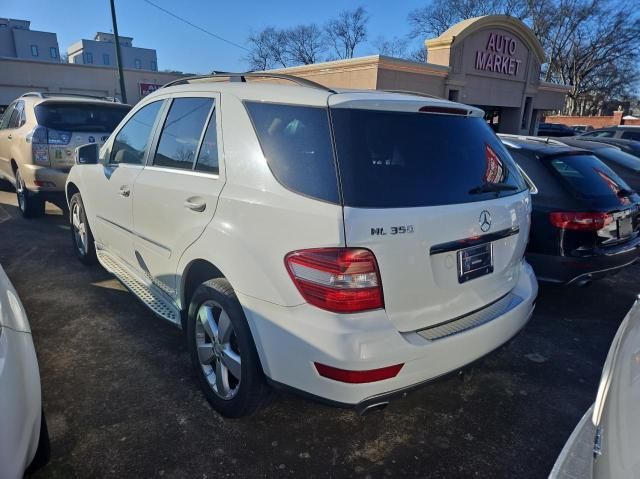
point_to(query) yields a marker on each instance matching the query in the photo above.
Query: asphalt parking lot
(121, 400)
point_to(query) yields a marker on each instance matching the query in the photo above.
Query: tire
(31, 204)
(81, 236)
(225, 358)
(43, 453)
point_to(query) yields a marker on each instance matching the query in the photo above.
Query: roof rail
(242, 78)
(39, 94)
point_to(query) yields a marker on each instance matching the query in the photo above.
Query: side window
(631, 135)
(16, 120)
(605, 134)
(181, 132)
(132, 140)
(7, 116)
(208, 156)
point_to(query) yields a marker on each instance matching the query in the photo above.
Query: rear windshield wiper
(624, 193)
(492, 188)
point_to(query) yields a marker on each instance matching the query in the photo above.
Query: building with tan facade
(492, 62)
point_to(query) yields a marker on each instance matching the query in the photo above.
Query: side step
(152, 296)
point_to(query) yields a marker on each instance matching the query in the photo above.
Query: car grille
(473, 320)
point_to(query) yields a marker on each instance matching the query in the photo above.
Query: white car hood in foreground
(611, 428)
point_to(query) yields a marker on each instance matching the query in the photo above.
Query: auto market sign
(499, 55)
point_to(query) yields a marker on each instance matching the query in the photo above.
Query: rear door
(436, 197)
(5, 142)
(177, 193)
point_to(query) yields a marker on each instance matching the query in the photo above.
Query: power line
(218, 37)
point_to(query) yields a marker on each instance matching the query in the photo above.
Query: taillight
(358, 377)
(46, 136)
(580, 221)
(342, 280)
(37, 136)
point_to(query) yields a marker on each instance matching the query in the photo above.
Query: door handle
(125, 191)
(195, 204)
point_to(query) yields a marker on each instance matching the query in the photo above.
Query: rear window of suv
(390, 159)
(80, 117)
(587, 175)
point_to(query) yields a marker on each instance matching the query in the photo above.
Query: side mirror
(87, 154)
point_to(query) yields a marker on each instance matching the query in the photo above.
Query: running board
(152, 296)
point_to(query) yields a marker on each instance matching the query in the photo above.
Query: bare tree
(347, 31)
(305, 44)
(267, 49)
(394, 47)
(418, 54)
(436, 17)
(593, 46)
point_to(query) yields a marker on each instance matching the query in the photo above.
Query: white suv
(345, 244)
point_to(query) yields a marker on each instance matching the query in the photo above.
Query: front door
(110, 183)
(177, 192)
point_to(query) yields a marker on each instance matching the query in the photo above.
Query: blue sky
(184, 48)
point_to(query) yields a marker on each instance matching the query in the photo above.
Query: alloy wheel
(21, 191)
(218, 351)
(79, 228)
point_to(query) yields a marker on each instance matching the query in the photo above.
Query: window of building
(53, 52)
(138, 64)
(34, 51)
(105, 58)
(181, 132)
(132, 140)
(154, 65)
(88, 57)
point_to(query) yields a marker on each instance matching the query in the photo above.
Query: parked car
(38, 134)
(631, 147)
(586, 219)
(626, 132)
(555, 129)
(606, 441)
(24, 440)
(625, 165)
(581, 128)
(300, 252)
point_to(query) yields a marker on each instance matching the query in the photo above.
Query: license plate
(474, 262)
(625, 227)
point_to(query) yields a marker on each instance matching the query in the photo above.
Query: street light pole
(123, 92)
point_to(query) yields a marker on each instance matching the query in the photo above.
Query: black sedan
(585, 222)
(555, 129)
(626, 165)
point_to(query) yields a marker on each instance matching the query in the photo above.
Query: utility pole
(123, 92)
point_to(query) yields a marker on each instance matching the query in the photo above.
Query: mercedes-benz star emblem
(485, 221)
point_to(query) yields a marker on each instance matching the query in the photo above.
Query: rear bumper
(290, 340)
(570, 269)
(51, 180)
(20, 402)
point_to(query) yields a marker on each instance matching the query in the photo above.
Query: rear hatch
(598, 189)
(431, 191)
(73, 123)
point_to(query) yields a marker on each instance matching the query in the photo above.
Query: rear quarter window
(296, 142)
